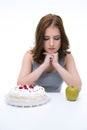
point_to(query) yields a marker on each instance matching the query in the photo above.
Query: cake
(24, 95)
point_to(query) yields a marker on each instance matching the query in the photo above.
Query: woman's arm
(69, 74)
(26, 75)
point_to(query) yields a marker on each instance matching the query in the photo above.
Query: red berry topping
(20, 87)
(25, 87)
(31, 86)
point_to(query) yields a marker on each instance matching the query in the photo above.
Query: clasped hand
(50, 58)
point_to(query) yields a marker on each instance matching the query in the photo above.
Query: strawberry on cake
(25, 95)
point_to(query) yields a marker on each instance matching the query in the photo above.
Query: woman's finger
(45, 53)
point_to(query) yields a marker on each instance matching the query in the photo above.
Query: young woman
(50, 63)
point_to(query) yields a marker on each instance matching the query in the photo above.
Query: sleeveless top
(50, 81)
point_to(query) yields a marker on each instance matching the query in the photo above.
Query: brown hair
(43, 24)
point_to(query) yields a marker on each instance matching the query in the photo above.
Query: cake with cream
(24, 95)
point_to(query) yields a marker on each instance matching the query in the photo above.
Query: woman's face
(52, 39)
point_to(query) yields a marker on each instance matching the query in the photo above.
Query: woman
(49, 63)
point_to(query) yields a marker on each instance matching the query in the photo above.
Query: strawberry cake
(24, 95)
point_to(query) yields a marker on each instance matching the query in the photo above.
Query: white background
(18, 20)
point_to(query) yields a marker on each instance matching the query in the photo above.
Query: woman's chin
(51, 52)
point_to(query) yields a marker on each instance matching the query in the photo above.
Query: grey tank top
(50, 81)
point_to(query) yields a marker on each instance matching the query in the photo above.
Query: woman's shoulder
(68, 58)
(28, 55)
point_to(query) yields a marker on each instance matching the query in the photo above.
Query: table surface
(57, 114)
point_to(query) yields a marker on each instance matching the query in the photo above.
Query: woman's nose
(51, 42)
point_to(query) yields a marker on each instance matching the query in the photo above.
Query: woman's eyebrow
(53, 36)
(57, 36)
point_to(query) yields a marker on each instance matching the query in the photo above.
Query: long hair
(43, 24)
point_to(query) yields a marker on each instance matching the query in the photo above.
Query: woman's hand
(50, 59)
(55, 59)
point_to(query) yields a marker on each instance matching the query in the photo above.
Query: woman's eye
(56, 38)
(46, 38)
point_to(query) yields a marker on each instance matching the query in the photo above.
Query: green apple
(72, 93)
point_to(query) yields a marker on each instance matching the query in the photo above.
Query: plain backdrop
(18, 21)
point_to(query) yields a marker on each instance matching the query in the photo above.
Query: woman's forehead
(52, 30)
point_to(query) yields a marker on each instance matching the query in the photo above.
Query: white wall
(18, 20)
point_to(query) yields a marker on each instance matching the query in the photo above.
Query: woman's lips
(51, 49)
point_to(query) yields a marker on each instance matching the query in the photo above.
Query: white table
(58, 114)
